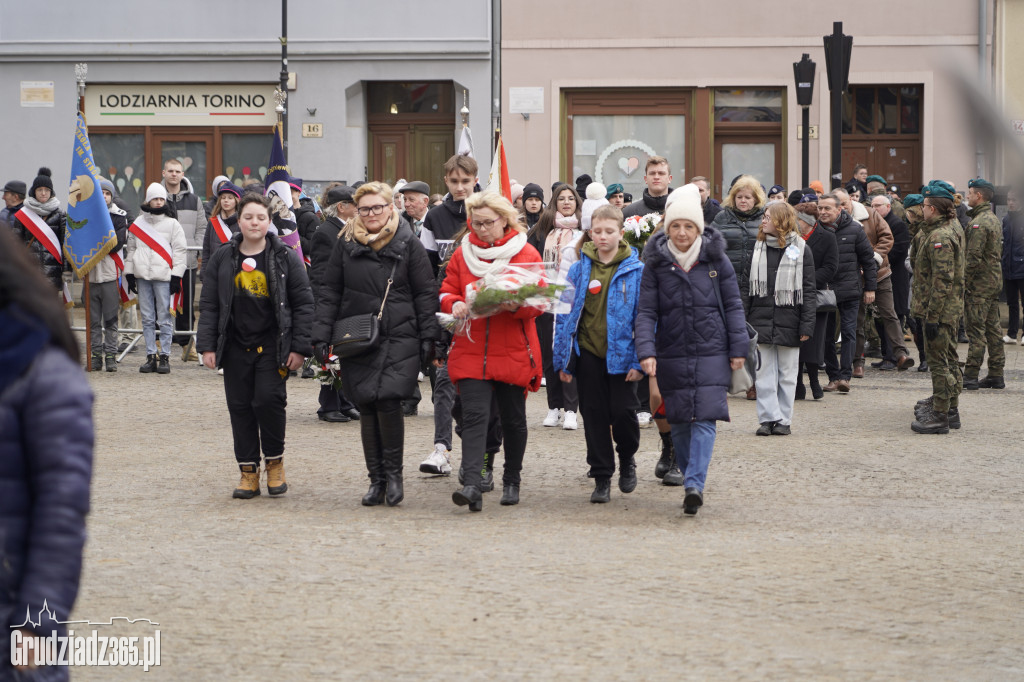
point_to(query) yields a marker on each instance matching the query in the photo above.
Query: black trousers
(494, 435)
(608, 404)
(332, 400)
(186, 320)
(643, 393)
(476, 414)
(257, 396)
(562, 396)
(1014, 295)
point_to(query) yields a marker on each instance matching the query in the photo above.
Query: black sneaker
(780, 430)
(602, 491)
(674, 477)
(111, 362)
(765, 429)
(885, 366)
(627, 476)
(96, 363)
(693, 501)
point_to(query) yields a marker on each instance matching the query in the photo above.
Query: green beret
(876, 178)
(913, 200)
(981, 183)
(935, 192)
(613, 190)
(943, 184)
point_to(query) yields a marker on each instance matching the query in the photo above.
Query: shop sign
(180, 105)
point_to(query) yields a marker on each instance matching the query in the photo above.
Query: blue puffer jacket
(680, 324)
(45, 469)
(1013, 245)
(622, 312)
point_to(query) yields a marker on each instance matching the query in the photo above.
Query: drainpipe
(982, 72)
(495, 71)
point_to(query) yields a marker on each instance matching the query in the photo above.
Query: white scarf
(476, 256)
(789, 288)
(562, 233)
(687, 258)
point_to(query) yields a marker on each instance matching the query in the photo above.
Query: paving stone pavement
(853, 549)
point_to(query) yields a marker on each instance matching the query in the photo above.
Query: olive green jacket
(938, 293)
(983, 253)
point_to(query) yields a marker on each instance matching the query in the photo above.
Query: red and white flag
(41, 231)
(498, 180)
(66, 295)
(221, 229)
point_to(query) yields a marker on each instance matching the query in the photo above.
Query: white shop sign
(180, 105)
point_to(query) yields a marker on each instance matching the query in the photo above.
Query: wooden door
(747, 154)
(432, 146)
(389, 155)
(896, 159)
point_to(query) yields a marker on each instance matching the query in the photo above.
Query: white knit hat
(684, 203)
(155, 191)
(595, 198)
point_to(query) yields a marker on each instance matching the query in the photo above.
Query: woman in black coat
(42, 202)
(378, 260)
(822, 243)
(739, 222)
(779, 300)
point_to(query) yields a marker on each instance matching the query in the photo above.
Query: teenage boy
(657, 176)
(255, 323)
(445, 221)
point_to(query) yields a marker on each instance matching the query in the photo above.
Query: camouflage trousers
(944, 363)
(981, 320)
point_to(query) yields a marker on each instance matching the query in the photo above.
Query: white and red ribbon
(153, 240)
(221, 229)
(66, 295)
(41, 231)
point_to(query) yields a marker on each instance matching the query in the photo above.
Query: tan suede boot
(275, 477)
(249, 486)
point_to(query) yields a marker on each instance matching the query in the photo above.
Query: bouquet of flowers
(330, 374)
(639, 228)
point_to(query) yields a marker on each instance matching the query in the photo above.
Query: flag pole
(81, 70)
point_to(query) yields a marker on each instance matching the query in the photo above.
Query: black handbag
(826, 300)
(358, 334)
(743, 378)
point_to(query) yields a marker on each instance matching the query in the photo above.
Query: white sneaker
(569, 423)
(437, 462)
(1007, 339)
(543, 382)
(220, 371)
(420, 378)
(644, 419)
(552, 418)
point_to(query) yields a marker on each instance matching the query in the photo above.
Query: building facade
(372, 94)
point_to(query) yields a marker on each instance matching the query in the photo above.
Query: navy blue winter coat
(1013, 245)
(623, 303)
(680, 324)
(45, 469)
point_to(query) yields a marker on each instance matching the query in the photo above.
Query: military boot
(992, 382)
(275, 477)
(953, 416)
(668, 456)
(971, 383)
(249, 486)
(150, 366)
(164, 365)
(931, 422)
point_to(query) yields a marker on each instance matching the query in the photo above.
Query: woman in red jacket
(500, 355)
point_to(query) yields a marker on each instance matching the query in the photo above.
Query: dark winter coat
(1013, 245)
(822, 243)
(855, 256)
(354, 284)
(307, 223)
(740, 235)
(51, 267)
(680, 324)
(711, 209)
(320, 249)
(45, 469)
(782, 325)
(289, 294)
(898, 262)
(442, 223)
(647, 204)
(190, 213)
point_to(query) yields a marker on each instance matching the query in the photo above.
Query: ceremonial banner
(90, 235)
(277, 172)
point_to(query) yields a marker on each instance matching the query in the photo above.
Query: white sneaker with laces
(1007, 339)
(569, 423)
(552, 418)
(644, 419)
(437, 462)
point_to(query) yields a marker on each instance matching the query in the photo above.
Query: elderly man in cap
(983, 281)
(877, 186)
(417, 202)
(14, 197)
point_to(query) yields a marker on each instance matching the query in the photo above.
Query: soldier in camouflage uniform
(983, 277)
(877, 187)
(914, 220)
(938, 299)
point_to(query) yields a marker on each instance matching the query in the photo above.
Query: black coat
(826, 256)
(855, 255)
(50, 266)
(289, 294)
(1013, 245)
(740, 235)
(354, 284)
(321, 247)
(898, 262)
(307, 223)
(647, 204)
(442, 223)
(711, 209)
(782, 325)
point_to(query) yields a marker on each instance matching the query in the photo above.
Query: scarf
(560, 236)
(656, 204)
(43, 210)
(499, 255)
(789, 288)
(686, 259)
(746, 216)
(354, 229)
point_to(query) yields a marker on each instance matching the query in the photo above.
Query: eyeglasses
(375, 210)
(485, 224)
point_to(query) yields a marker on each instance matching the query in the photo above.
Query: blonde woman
(779, 300)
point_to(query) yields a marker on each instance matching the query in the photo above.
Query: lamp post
(803, 73)
(838, 48)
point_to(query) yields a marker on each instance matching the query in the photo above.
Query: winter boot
(469, 495)
(487, 480)
(249, 486)
(668, 456)
(111, 362)
(392, 438)
(931, 422)
(150, 365)
(275, 477)
(374, 462)
(164, 366)
(96, 363)
(992, 382)
(602, 491)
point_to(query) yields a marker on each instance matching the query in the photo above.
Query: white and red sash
(118, 258)
(122, 281)
(221, 229)
(65, 293)
(153, 240)
(41, 231)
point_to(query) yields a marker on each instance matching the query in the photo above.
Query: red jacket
(503, 347)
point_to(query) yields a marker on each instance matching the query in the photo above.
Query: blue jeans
(843, 367)
(154, 306)
(693, 443)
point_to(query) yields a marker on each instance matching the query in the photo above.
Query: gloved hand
(322, 352)
(426, 353)
(175, 285)
(133, 286)
(931, 330)
(441, 351)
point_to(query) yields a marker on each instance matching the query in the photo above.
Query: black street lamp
(803, 73)
(838, 48)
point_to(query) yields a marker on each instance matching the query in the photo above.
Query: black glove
(426, 353)
(322, 352)
(931, 330)
(441, 351)
(133, 286)
(175, 285)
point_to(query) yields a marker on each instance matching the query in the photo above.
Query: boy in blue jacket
(594, 343)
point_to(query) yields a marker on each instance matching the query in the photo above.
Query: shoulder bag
(826, 300)
(358, 334)
(743, 378)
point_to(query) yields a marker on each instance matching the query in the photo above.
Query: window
(245, 156)
(882, 110)
(748, 106)
(392, 98)
(122, 159)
